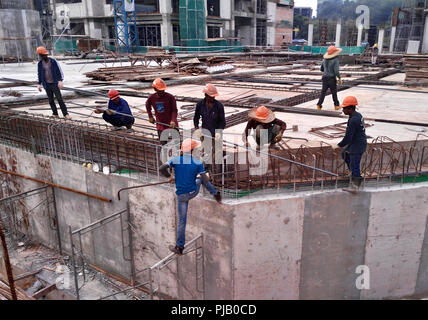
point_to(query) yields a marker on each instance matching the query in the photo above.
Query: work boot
(114, 128)
(337, 108)
(55, 116)
(319, 107)
(176, 249)
(354, 185)
(129, 126)
(217, 197)
(68, 117)
(274, 146)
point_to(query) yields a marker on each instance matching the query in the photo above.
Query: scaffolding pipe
(56, 185)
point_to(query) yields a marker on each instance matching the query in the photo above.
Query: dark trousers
(329, 82)
(353, 161)
(119, 122)
(53, 90)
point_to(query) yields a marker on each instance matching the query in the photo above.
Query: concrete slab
(334, 237)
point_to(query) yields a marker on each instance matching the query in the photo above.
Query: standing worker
(330, 67)
(117, 105)
(186, 170)
(264, 118)
(354, 142)
(375, 53)
(165, 108)
(50, 76)
(211, 111)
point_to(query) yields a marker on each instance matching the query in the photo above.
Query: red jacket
(165, 108)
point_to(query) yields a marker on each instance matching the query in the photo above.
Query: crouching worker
(189, 175)
(354, 142)
(118, 112)
(264, 118)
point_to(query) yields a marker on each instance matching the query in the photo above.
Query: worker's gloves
(151, 120)
(110, 112)
(98, 111)
(218, 136)
(335, 146)
(278, 137)
(197, 134)
(340, 82)
(39, 87)
(60, 85)
(172, 124)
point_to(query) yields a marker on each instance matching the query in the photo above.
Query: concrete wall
(303, 246)
(24, 25)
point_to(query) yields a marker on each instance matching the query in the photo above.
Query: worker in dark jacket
(118, 112)
(186, 170)
(164, 106)
(264, 118)
(355, 140)
(211, 111)
(50, 76)
(330, 67)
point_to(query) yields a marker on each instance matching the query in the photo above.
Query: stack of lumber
(416, 68)
(5, 292)
(133, 73)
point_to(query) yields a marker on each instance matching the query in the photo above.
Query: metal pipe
(56, 186)
(141, 186)
(7, 263)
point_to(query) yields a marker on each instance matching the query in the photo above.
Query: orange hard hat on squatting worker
(330, 67)
(189, 175)
(354, 143)
(211, 111)
(50, 77)
(118, 112)
(164, 106)
(262, 118)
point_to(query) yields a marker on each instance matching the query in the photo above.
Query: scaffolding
(410, 26)
(125, 26)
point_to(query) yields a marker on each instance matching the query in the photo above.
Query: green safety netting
(323, 50)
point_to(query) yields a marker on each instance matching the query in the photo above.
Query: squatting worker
(355, 140)
(189, 175)
(165, 108)
(211, 111)
(330, 67)
(264, 118)
(50, 76)
(118, 112)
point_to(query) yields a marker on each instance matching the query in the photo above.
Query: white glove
(39, 87)
(60, 85)
(197, 134)
(335, 146)
(218, 136)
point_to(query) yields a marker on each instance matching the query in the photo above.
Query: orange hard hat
(210, 90)
(349, 101)
(331, 50)
(159, 84)
(113, 94)
(262, 113)
(189, 144)
(42, 51)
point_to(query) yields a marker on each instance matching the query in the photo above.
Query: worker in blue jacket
(50, 76)
(118, 112)
(355, 140)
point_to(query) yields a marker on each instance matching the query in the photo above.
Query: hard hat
(113, 94)
(349, 101)
(159, 84)
(189, 144)
(42, 51)
(210, 90)
(375, 45)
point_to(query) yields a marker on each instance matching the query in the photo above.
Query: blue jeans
(353, 161)
(183, 205)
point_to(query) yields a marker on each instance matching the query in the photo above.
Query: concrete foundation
(306, 245)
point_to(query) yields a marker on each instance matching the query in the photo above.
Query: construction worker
(264, 118)
(354, 142)
(375, 53)
(165, 108)
(117, 105)
(50, 76)
(211, 111)
(186, 170)
(330, 67)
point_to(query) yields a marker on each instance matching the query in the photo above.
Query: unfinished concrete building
(285, 230)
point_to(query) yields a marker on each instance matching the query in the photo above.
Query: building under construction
(88, 205)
